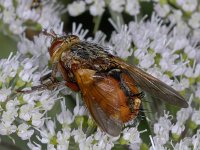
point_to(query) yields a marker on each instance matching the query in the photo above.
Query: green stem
(97, 21)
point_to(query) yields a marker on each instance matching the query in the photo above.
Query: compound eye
(54, 46)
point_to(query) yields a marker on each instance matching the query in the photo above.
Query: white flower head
(4, 93)
(132, 7)
(175, 16)
(187, 5)
(121, 40)
(76, 8)
(117, 5)
(26, 112)
(178, 128)
(9, 67)
(162, 10)
(7, 129)
(47, 132)
(184, 144)
(196, 117)
(37, 119)
(183, 114)
(34, 146)
(65, 117)
(196, 140)
(195, 20)
(97, 8)
(162, 128)
(23, 131)
(132, 135)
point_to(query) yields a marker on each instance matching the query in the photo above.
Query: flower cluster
(97, 7)
(21, 15)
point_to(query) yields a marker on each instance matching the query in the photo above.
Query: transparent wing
(152, 85)
(101, 96)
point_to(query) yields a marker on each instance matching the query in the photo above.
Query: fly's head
(60, 44)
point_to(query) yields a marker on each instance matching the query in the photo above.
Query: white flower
(183, 114)
(159, 44)
(77, 30)
(177, 128)
(117, 5)
(51, 10)
(26, 112)
(37, 119)
(8, 67)
(29, 68)
(175, 16)
(187, 5)
(78, 110)
(34, 146)
(162, 10)
(190, 51)
(196, 140)
(196, 117)
(182, 85)
(17, 26)
(23, 131)
(48, 98)
(132, 7)
(7, 129)
(63, 139)
(87, 144)
(30, 98)
(4, 93)
(132, 135)
(25, 12)
(156, 145)
(184, 144)
(16, 14)
(193, 72)
(195, 20)
(8, 15)
(38, 48)
(7, 3)
(65, 117)
(12, 105)
(104, 140)
(76, 8)
(47, 133)
(179, 42)
(197, 92)
(97, 8)
(147, 61)
(79, 135)
(9, 115)
(162, 128)
(121, 40)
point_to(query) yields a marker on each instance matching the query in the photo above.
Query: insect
(109, 86)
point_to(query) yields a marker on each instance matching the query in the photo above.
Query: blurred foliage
(7, 45)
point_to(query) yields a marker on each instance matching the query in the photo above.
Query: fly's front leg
(48, 81)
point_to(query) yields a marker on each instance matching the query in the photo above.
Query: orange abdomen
(105, 90)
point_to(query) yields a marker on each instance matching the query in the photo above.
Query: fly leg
(48, 81)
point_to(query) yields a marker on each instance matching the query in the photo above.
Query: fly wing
(101, 96)
(152, 85)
